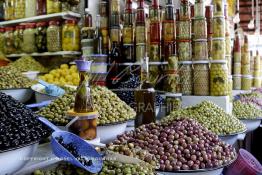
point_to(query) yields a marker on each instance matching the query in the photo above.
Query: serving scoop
(83, 148)
(52, 89)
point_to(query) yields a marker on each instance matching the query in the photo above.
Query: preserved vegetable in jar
(29, 45)
(9, 10)
(171, 81)
(9, 41)
(200, 50)
(53, 6)
(154, 52)
(2, 40)
(245, 69)
(246, 82)
(237, 82)
(257, 82)
(70, 36)
(140, 52)
(200, 28)
(30, 8)
(218, 78)
(153, 74)
(229, 63)
(218, 49)
(209, 46)
(184, 50)
(218, 27)
(173, 102)
(230, 87)
(201, 78)
(184, 29)
(199, 10)
(41, 7)
(19, 9)
(184, 13)
(2, 10)
(228, 45)
(53, 35)
(186, 77)
(66, 6)
(218, 7)
(18, 38)
(40, 39)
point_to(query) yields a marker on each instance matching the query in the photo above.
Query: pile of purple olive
(180, 145)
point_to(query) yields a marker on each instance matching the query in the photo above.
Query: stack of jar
(257, 71)
(201, 61)
(209, 18)
(103, 11)
(237, 64)
(219, 69)
(228, 41)
(246, 81)
(184, 48)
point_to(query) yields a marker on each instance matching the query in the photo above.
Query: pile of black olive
(19, 126)
(181, 145)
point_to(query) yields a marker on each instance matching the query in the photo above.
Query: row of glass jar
(40, 37)
(246, 82)
(16, 9)
(199, 78)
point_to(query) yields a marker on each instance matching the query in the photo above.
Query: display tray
(41, 96)
(20, 94)
(231, 138)
(251, 124)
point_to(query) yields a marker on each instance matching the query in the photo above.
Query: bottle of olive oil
(145, 98)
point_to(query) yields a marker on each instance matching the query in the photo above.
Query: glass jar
(229, 63)
(200, 49)
(2, 40)
(257, 82)
(173, 102)
(88, 19)
(66, 6)
(186, 77)
(199, 10)
(218, 27)
(246, 82)
(228, 45)
(2, 10)
(219, 78)
(218, 49)
(209, 46)
(41, 7)
(40, 38)
(237, 82)
(184, 13)
(9, 41)
(200, 28)
(154, 74)
(218, 7)
(18, 38)
(19, 9)
(71, 36)
(256, 73)
(184, 50)
(53, 6)
(201, 78)
(30, 8)
(9, 10)
(245, 69)
(230, 87)
(184, 29)
(53, 36)
(29, 45)
(237, 57)
(245, 58)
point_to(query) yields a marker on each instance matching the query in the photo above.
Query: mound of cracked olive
(28, 63)
(210, 116)
(111, 109)
(109, 168)
(18, 125)
(246, 110)
(12, 78)
(180, 145)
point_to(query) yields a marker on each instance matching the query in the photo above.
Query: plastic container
(218, 49)
(99, 68)
(218, 26)
(201, 78)
(218, 78)
(54, 38)
(200, 49)
(184, 13)
(9, 10)
(173, 102)
(246, 164)
(200, 28)
(246, 82)
(245, 69)
(237, 82)
(87, 42)
(184, 50)
(29, 37)
(186, 77)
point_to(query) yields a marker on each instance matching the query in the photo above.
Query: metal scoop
(83, 148)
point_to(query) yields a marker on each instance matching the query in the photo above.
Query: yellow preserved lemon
(71, 36)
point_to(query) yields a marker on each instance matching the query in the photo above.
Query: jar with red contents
(9, 47)
(29, 45)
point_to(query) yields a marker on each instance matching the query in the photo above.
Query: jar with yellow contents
(70, 36)
(201, 77)
(53, 6)
(246, 82)
(218, 78)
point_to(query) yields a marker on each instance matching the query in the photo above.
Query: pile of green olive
(246, 110)
(12, 78)
(111, 109)
(210, 116)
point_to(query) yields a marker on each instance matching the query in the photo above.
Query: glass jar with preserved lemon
(53, 6)
(70, 36)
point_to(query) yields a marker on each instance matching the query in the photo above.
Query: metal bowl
(32, 75)
(15, 159)
(230, 138)
(108, 133)
(251, 124)
(39, 95)
(22, 95)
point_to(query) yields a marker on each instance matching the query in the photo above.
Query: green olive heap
(110, 108)
(12, 78)
(210, 116)
(182, 144)
(246, 110)
(109, 168)
(27, 63)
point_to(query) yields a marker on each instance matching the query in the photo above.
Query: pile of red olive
(181, 145)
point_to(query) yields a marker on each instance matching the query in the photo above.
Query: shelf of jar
(54, 16)
(61, 53)
(138, 63)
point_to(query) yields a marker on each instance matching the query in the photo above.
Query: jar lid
(53, 22)
(200, 40)
(201, 62)
(218, 61)
(185, 62)
(2, 29)
(40, 24)
(9, 29)
(20, 27)
(173, 94)
(30, 25)
(71, 21)
(247, 76)
(218, 39)
(237, 75)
